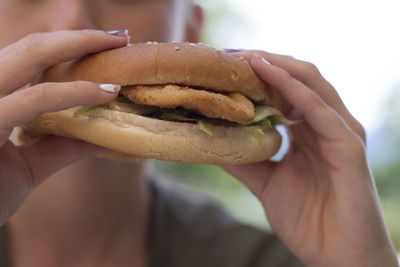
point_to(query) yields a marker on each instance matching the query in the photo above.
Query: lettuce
(86, 111)
(266, 115)
(125, 105)
(206, 127)
(260, 136)
(176, 117)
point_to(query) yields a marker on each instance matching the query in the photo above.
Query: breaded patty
(233, 106)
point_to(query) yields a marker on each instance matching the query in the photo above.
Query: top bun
(188, 64)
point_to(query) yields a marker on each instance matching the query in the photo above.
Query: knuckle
(360, 130)
(58, 95)
(33, 46)
(33, 36)
(289, 58)
(313, 98)
(41, 92)
(315, 102)
(34, 50)
(76, 88)
(285, 75)
(352, 150)
(310, 68)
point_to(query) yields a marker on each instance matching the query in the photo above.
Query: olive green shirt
(189, 230)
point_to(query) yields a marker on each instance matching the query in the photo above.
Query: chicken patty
(233, 106)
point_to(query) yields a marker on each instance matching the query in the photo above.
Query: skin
(320, 199)
(78, 216)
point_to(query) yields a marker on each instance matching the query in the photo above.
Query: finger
(35, 36)
(47, 49)
(53, 153)
(25, 105)
(308, 74)
(303, 71)
(254, 176)
(322, 118)
(22, 42)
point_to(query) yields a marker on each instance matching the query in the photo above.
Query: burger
(179, 102)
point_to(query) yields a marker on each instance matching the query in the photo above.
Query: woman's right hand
(23, 168)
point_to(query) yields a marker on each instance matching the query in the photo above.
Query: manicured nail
(110, 88)
(118, 32)
(262, 59)
(231, 50)
(122, 33)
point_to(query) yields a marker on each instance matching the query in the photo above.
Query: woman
(96, 212)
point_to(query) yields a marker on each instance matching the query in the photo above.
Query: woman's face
(146, 20)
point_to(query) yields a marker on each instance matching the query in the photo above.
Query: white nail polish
(123, 33)
(265, 61)
(262, 59)
(118, 32)
(110, 88)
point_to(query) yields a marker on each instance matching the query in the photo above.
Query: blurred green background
(224, 23)
(385, 159)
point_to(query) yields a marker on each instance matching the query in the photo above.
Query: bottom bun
(158, 139)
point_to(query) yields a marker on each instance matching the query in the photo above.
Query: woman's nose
(72, 15)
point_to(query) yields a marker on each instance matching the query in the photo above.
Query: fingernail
(262, 59)
(110, 88)
(122, 33)
(118, 32)
(231, 50)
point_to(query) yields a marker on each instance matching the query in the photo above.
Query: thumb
(53, 153)
(254, 176)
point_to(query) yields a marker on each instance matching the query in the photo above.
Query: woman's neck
(95, 209)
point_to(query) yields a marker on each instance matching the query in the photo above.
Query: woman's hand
(320, 199)
(23, 168)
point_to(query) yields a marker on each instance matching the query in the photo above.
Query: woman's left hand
(320, 199)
